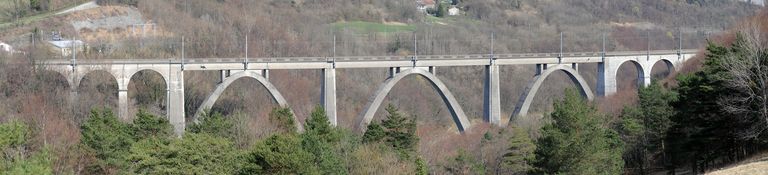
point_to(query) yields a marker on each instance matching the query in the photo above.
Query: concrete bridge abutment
(329, 94)
(492, 94)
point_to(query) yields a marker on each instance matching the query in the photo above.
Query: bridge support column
(122, 104)
(606, 78)
(492, 95)
(329, 94)
(222, 75)
(73, 97)
(176, 100)
(646, 81)
(644, 76)
(433, 70)
(540, 68)
(393, 71)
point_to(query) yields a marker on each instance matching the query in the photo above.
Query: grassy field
(368, 27)
(5, 23)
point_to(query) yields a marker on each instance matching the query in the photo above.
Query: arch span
(163, 74)
(462, 123)
(55, 77)
(668, 63)
(642, 72)
(109, 74)
(81, 75)
(533, 87)
(63, 71)
(208, 103)
(145, 89)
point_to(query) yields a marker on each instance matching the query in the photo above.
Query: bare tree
(747, 68)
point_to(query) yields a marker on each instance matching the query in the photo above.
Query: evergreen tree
(655, 104)
(442, 9)
(213, 123)
(147, 125)
(14, 134)
(421, 167)
(520, 155)
(374, 133)
(701, 121)
(39, 163)
(318, 124)
(578, 141)
(283, 117)
(320, 139)
(192, 154)
(632, 130)
(279, 154)
(15, 151)
(400, 131)
(107, 137)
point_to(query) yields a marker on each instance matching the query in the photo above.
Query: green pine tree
(107, 137)
(214, 123)
(17, 157)
(374, 133)
(318, 124)
(283, 117)
(279, 154)
(147, 125)
(520, 154)
(320, 139)
(578, 141)
(192, 154)
(400, 131)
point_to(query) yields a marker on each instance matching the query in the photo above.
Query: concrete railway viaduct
(232, 69)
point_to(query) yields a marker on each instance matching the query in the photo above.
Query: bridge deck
(375, 61)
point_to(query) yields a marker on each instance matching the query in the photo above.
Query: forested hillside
(247, 134)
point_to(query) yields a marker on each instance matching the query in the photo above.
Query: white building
(423, 5)
(453, 11)
(66, 46)
(5, 47)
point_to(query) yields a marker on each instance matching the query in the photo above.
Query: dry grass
(751, 168)
(756, 165)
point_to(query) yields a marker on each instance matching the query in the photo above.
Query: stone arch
(80, 76)
(164, 74)
(63, 71)
(533, 87)
(103, 97)
(130, 77)
(462, 123)
(642, 72)
(59, 75)
(670, 65)
(211, 100)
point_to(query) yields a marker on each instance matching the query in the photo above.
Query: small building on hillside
(423, 5)
(5, 47)
(453, 11)
(66, 46)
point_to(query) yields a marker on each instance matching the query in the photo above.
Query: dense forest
(710, 114)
